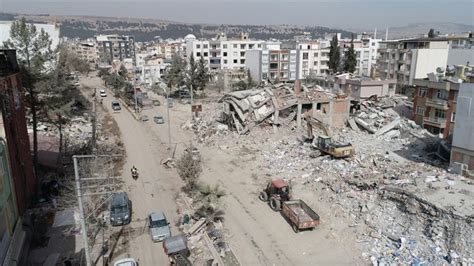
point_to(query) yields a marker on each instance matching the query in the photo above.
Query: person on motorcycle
(134, 169)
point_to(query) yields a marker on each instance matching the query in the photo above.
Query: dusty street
(257, 235)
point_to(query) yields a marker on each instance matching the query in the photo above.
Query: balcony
(437, 103)
(435, 121)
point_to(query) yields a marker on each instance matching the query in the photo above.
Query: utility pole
(81, 212)
(168, 114)
(136, 99)
(94, 120)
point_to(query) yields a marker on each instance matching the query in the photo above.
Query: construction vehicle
(276, 192)
(324, 143)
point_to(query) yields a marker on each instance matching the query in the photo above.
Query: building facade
(272, 65)
(86, 51)
(16, 136)
(312, 58)
(115, 48)
(462, 151)
(434, 105)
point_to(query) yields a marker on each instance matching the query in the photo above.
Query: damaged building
(280, 104)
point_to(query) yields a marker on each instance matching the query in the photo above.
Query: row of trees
(192, 74)
(49, 92)
(350, 60)
(117, 81)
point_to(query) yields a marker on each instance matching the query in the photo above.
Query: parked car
(159, 226)
(170, 102)
(102, 93)
(126, 262)
(144, 118)
(120, 209)
(77, 84)
(116, 106)
(158, 119)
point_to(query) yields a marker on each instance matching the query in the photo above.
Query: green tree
(35, 56)
(191, 75)
(334, 55)
(174, 74)
(431, 33)
(350, 58)
(123, 71)
(250, 82)
(202, 74)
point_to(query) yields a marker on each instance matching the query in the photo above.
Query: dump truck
(300, 215)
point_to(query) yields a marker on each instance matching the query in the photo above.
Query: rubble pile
(275, 105)
(78, 130)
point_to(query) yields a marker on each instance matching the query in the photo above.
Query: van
(120, 209)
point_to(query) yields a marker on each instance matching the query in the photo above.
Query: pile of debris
(273, 105)
(78, 130)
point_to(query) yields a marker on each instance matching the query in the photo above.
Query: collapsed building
(280, 104)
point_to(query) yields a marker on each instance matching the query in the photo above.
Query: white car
(102, 93)
(126, 262)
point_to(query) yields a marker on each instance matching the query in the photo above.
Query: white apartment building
(86, 51)
(312, 58)
(150, 69)
(273, 65)
(366, 53)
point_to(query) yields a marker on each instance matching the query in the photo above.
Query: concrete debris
(169, 163)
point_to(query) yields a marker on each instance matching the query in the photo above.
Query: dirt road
(258, 235)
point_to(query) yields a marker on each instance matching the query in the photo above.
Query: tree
(191, 76)
(350, 58)
(123, 71)
(209, 198)
(202, 74)
(250, 82)
(34, 54)
(189, 168)
(334, 55)
(431, 33)
(174, 74)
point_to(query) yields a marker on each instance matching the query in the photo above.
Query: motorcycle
(135, 174)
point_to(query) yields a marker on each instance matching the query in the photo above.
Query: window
(316, 54)
(422, 92)
(305, 56)
(373, 44)
(251, 46)
(225, 54)
(206, 54)
(235, 45)
(225, 61)
(198, 46)
(420, 110)
(224, 46)
(305, 64)
(274, 57)
(442, 94)
(284, 57)
(264, 76)
(440, 113)
(242, 46)
(315, 63)
(206, 46)
(235, 61)
(198, 54)
(242, 54)
(284, 66)
(453, 117)
(242, 61)
(259, 46)
(273, 65)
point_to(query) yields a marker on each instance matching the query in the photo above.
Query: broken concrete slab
(388, 127)
(365, 125)
(353, 125)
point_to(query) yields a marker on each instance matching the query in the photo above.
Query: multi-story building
(273, 65)
(115, 48)
(366, 49)
(406, 60)
(434, 104)
(312, 58)
(152, 69)
(86, 51)
(462, 150)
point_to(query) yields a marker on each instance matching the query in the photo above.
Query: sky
(346, 14)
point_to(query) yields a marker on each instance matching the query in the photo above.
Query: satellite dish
(439, 70)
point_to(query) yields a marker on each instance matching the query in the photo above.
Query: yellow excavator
(324, 142)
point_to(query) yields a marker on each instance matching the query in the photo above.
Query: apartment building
(222, 53)
(87, 51)
(152, 69)
(115, 48)
(366, 49)
(462, 150)
(273, 65)
(312, 58)
(406, 60)
(434, 105)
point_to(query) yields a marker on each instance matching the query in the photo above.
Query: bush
(189, 170)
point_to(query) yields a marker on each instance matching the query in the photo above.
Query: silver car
(159, 226)
(158, 119)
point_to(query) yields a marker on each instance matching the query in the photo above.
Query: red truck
(300, 215)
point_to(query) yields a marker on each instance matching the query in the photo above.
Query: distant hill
(148, 29)
(419, 29)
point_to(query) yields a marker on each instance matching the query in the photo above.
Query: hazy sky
(336, 13)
